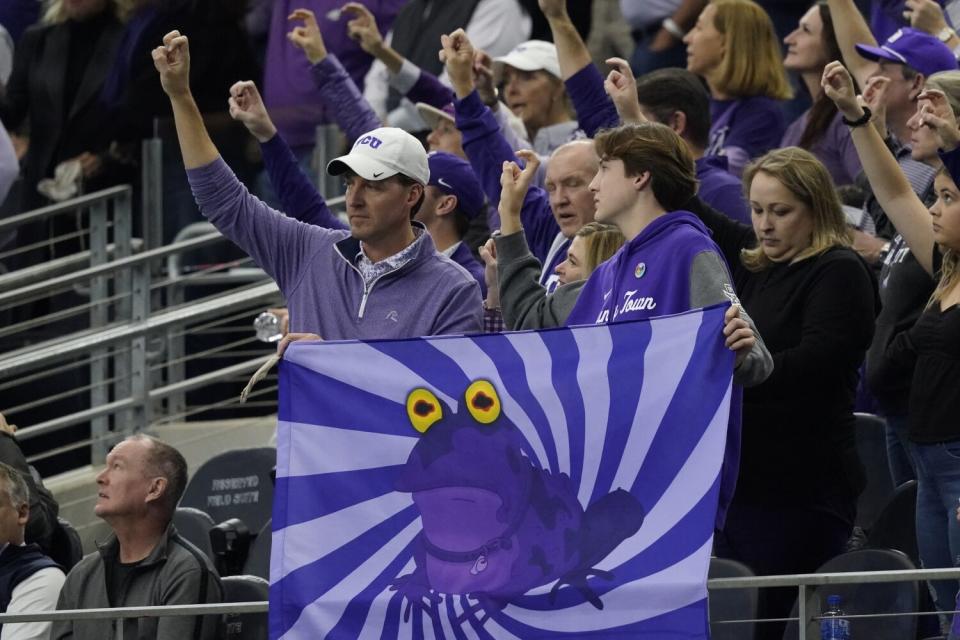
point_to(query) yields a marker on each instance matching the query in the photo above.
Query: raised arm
(172, 60)
(341, 96)
(889, 184)
(571, 50)
(363, 28)
(522, 298)
(621, 86)
(278, 244)
(299, 198)
(852, 29)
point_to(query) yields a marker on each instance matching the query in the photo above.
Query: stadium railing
(800, 581)
(111, 331)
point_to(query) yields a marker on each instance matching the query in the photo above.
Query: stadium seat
(866, 598)
(871, 441)
(66, 549)
(895, 527)
(194, 525)
(235, 484)
(258, 562)
(732, 604)
(245, 626)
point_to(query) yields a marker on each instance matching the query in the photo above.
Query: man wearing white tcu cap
(382, 279)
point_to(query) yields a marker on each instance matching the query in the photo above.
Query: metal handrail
(52, 268)
(31, 357)
(63, 207)
(159, 393)
(108, 268)
(800, 580)
(816, 579)
(120, 613)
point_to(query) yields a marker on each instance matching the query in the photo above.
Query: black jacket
(36, 92)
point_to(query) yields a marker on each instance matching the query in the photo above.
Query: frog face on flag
(557, 483)
(494, 524)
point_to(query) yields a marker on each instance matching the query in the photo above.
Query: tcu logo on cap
(369, 140)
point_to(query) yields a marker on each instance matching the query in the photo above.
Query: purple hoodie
(649, 276)
(315, 270)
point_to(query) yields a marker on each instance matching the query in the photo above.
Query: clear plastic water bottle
(267, 326)
(833, 625)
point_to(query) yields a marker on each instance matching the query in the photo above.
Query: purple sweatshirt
(744, 129)
(298, 196)
(292, 98)
(316, 271)
(834, 148)
(649, 276)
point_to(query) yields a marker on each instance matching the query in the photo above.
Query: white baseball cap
(432, 116)
(384, 153)
(532, 55)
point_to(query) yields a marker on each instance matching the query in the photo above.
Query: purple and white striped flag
(550, 484)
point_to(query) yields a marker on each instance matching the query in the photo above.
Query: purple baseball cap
(455, 176)
(918, 50)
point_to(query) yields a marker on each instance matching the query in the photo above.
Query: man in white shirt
(29, 581)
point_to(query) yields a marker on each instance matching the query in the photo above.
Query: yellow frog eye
(483, 402)
(423, 408)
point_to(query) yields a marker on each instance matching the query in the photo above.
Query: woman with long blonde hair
(813, 300)
(932, 346)
(734, 47)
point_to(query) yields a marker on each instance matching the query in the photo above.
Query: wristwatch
(945, 34)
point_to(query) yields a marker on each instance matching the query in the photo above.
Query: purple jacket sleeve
(487, 150)
(279, 245)
(343, 100)
(298, 197)
(595, 110)
(430, 90)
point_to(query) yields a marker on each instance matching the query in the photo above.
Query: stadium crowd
(515, 164)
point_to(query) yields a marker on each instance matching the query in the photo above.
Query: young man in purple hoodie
(668, 265)
(383, 279)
